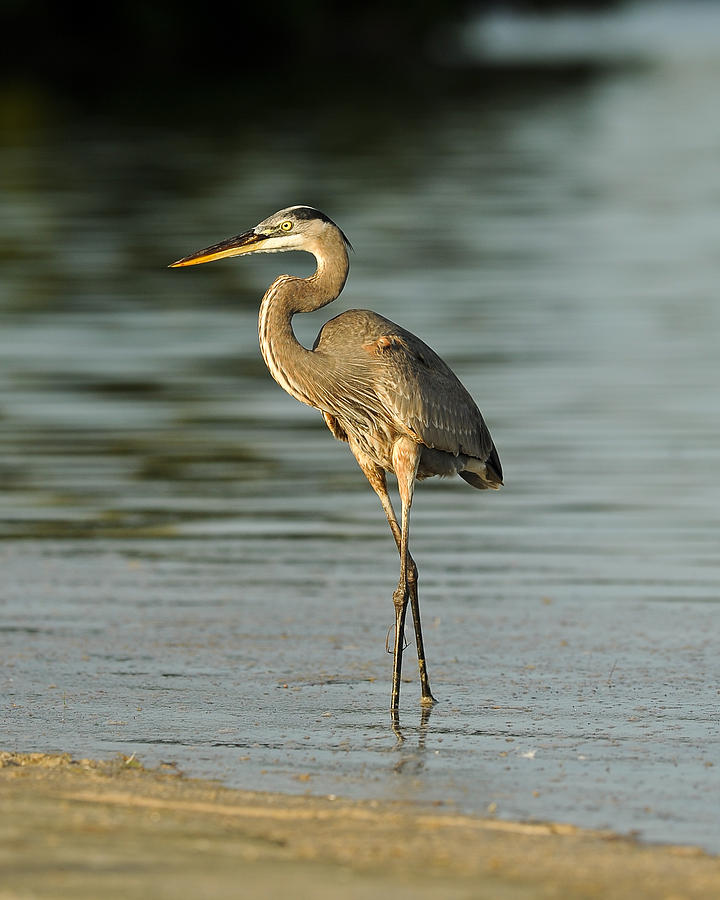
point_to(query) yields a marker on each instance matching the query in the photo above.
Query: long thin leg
(426, 697)
(376, 476)
(400, 600)
(405, 457)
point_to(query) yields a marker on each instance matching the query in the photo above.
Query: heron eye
(287, 226)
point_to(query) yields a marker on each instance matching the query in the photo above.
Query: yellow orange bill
(234, 246)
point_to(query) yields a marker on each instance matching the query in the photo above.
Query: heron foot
(389, 645)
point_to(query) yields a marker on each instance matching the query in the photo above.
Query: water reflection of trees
(136, 47)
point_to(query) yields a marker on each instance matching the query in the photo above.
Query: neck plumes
(294, 367)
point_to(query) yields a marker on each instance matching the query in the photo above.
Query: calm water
(193, 570)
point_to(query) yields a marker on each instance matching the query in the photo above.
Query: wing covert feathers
(399, 379)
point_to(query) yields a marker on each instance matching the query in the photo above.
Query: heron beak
(248, 242)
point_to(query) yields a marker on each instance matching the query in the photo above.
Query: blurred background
(533, 188)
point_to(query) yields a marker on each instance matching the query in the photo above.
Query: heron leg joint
(401, 596)
(412, 572)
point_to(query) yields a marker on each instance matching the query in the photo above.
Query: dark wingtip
(493, 463)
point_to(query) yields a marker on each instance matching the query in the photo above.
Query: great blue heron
(379, 388)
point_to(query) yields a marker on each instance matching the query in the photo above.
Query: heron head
(295, 228)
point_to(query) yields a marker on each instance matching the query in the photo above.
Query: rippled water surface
(195, 571)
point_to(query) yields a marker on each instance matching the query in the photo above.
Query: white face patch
(278, 243)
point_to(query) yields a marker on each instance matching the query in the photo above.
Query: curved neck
(294, 367)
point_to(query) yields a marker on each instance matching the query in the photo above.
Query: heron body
(414, 394)
(381, 389)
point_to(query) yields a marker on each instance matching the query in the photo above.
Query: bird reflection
(411, 756)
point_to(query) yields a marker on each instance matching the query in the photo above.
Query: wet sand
(85, 829)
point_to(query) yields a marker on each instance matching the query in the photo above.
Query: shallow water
(194, 571)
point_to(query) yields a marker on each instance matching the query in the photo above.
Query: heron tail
(484, 474)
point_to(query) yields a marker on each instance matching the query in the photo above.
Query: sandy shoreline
(85, 829)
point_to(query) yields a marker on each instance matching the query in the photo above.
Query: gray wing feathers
(382, 369)
(426, 396)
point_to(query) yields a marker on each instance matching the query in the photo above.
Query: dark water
(194, 571)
